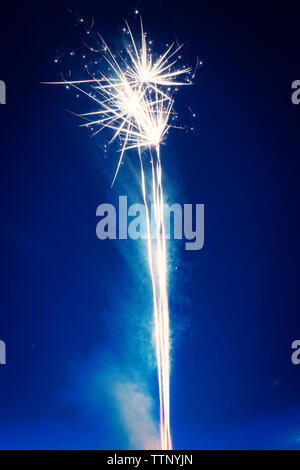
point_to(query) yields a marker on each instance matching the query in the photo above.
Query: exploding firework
(135, 100)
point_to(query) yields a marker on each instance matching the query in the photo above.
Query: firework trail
(135, 101)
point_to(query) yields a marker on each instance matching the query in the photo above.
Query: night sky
(75, 311)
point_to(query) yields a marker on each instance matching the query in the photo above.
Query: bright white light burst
(135, 100)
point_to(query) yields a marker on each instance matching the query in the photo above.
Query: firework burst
(135, 101)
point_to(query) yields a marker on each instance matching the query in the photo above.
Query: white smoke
(135, 407)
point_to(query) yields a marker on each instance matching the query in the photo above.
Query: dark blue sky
(75, 311)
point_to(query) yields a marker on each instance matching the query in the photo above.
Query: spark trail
(135, 101)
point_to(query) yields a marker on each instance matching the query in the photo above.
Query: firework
(135, 101)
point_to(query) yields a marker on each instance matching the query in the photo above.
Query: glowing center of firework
(130, 104)
(145, 73)
(154, 135)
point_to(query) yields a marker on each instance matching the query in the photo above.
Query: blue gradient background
(74, 311)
